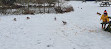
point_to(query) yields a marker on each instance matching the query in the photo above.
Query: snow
(41, 31)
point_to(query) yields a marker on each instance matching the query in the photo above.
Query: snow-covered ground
(41, 31)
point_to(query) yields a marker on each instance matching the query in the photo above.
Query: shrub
(8, 2)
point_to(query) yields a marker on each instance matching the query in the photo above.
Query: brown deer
(15, 19)
(55, 18)
(28, 18)
(64, 23)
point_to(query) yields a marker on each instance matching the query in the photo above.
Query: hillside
(41, 31)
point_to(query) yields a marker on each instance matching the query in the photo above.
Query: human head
(105, 14)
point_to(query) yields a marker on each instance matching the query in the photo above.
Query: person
(105, 20)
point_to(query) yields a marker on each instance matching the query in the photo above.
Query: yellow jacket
(104, 18)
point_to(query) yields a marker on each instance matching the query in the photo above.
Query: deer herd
(64, 22)
(15, 19)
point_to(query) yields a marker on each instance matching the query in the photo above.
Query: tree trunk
(28, 5)
(44, 7)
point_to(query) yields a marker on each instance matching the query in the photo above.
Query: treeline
(11, 2)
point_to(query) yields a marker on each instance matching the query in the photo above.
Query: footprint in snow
(92, 30)
(74, 48)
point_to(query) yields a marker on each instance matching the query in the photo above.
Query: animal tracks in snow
(66, 31)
